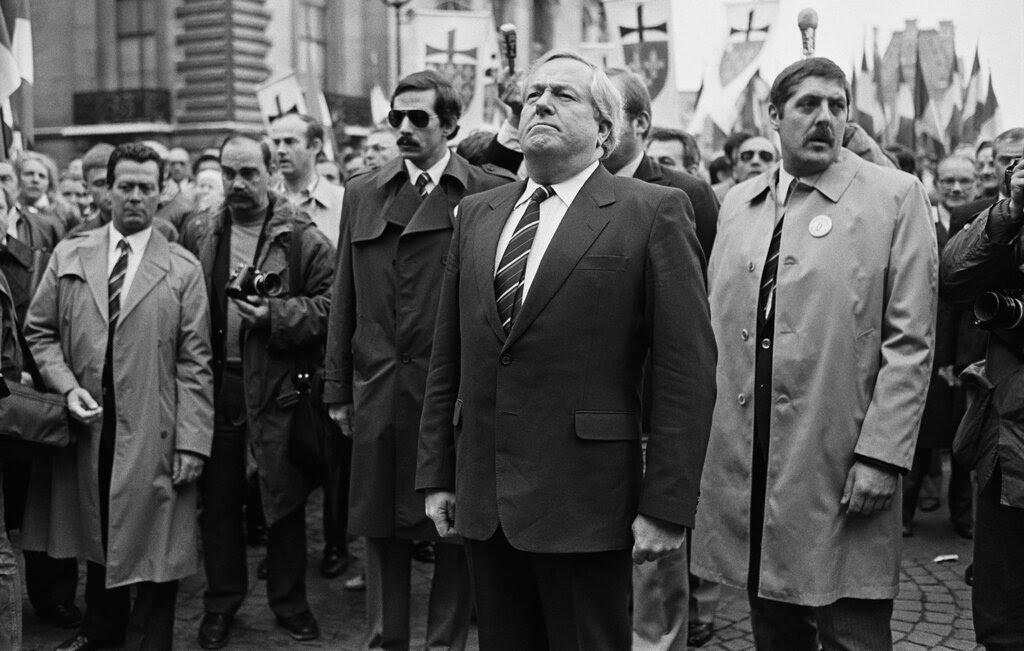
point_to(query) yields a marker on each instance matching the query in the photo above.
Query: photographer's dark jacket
(973, 263)
(270, 357)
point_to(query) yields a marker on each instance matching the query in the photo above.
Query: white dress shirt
(137, 246)
(434, 172)
(551, 213)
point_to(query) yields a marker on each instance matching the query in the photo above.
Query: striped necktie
(766, 297)
(116, 282)
(508, 281)
(421, 185)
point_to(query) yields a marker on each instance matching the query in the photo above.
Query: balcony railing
(120, 106)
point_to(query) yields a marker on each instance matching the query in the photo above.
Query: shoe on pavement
(334, 562)
(356, 583)
(698, 633)
(77, 643)
(301, 627)
(61, 616)
(214, 630)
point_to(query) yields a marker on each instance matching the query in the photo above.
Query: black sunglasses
(418, 118)
(766, 156)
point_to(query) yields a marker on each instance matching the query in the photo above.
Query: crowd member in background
(674, 148)
(1007, 146)
(984, 165)
(328, 169)
(719, 170)
(75, 168)
(822, 283)
(209, 190)
(352, 164)
(752, 157)
(37, 184)
(140, 382)
(904, 158)
(380, 147)
(260, 344)
(9, 177)
(72, 189)
(179, 170)
(208, 160)
(729, 148)
(94, 168)
(473, 147)
(398, 223)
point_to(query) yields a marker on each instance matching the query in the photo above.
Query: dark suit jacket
(705, 204)
(539, 431)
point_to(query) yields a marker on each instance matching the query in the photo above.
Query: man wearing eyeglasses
(396, 226)
(753, 156)
(380, 147)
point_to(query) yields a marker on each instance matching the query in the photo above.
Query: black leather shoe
(77, 643)
(334, 563)
(301, 627)
(62, 616)
(214, 630)
(698, 633)
(261, 569)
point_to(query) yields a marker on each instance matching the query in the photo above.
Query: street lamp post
(397, 6)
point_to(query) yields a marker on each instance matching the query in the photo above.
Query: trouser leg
(10, 589)
(961, 495)
(780, 626)
(106, 609)
(704, 597)
(913, 482)
(451, 599)
(286, 564)
(998, 594)
(151, 626)
(338, 452)
(387, 593)
(855, 625)
(222, 489)
(50, 582)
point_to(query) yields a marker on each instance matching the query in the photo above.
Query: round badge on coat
(820, 226)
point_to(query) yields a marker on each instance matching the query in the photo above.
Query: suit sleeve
(341, 322)
(436, 456)
(889, 431)
(683, 359)
(194, 370)
(300, 320)
(42, 331)
(705, 211)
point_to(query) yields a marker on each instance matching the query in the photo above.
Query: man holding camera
(985, 258)
(261, 340)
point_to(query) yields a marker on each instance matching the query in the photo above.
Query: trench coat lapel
(154, 266)
(486, 247)
(93, 259)
(582, 223)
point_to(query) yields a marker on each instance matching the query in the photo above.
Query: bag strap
(28, 361)
(295, 257)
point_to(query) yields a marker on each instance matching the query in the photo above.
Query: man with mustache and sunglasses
(397, 222)
(823, 294)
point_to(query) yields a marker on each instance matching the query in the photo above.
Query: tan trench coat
(854, 330)
(164, 389)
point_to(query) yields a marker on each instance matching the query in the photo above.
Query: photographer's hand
(1017, 192)
(254, 310)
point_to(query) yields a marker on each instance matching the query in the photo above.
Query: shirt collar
(434, 172)
(136, 241)
(565, 190)
(630, 168)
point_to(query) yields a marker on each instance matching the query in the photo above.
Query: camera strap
(263, 234)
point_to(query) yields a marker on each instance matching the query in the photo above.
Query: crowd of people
(524, 358)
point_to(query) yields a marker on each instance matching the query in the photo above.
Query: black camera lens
(996, 311)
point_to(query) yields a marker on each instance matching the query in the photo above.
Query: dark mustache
(822, 133)
(406, 141)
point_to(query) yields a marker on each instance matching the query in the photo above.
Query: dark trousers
(959, 496)
(534, 601)
(110, 617)
(998, 595)
(338, 458)
(223, 491)
(449, 609)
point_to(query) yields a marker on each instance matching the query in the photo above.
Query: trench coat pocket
(968, 443)
(608, 425)
(603, 263)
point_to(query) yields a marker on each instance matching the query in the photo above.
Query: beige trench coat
(854, 324)
(164, 389)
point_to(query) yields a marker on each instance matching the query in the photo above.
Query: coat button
(750, 266)
(406, 358)
(394, 263)
(163, 434)
(766, 343)
(742, 399)
(744, 334)
(506, 360)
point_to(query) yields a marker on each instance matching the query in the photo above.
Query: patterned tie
(421, 185)
(508, 281)
(766, 297)
(115, 283)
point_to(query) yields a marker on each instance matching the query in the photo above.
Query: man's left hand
(187, 467)
(868, 489)
(254, 310)
(654, 538)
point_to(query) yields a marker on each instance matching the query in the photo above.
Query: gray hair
(604, 96)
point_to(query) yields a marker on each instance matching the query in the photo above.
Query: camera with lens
(999, 310)
(1008, 174)
(247, 280)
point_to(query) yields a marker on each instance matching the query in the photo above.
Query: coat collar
(832, 183)
(19, 251)
(649, 170)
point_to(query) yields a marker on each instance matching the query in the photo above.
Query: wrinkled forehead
(818, 88)
(136, 172)
(561, 72)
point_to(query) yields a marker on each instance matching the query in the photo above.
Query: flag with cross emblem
(643, 29)
(749, 26)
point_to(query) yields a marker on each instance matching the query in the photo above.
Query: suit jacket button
(506, 360)
(163, 434)
(766, 343)
(744, 334)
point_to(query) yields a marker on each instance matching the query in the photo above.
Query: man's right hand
(82, 407)
(510, 92)
(440, 507)
(1017, 191)
(342, 417)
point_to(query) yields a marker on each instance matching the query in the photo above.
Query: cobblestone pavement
(933, 610)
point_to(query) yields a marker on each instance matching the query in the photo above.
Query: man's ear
(317, 144)
(642, 124)
(774, 116)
